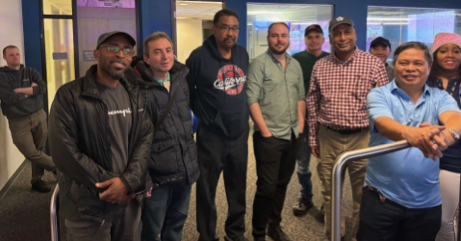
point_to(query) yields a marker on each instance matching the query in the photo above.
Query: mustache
(229, 38)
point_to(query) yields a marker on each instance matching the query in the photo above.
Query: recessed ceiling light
(184, 4)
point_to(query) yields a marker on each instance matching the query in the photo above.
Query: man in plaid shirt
(337, 113)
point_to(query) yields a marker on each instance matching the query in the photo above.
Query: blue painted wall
(155, 16)
(31, 28)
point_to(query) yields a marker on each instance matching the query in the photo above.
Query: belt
(382, 198)
(348, 131)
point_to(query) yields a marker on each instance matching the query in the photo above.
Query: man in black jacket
(21, 90)
(173, 166)
(217, 85)
(100, 140)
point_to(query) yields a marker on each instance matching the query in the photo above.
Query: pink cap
(446, 38)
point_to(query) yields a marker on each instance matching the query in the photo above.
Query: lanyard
(452, 90)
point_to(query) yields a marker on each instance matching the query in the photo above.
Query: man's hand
(34, 84)
(421, 138)
(315, 150)
(442, 140)
(116, 193)
(266, 134)
(149, 193)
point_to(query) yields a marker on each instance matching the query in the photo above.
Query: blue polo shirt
(406, 177)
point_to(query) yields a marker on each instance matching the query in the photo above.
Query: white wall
(189, 37)
(11, 27)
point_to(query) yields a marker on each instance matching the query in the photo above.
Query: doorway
(194, 23)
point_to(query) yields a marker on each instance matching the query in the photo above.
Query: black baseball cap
(340, 20)
(380, 41)
(103, 37)
(314, 27)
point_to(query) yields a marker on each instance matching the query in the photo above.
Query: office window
(57, 7)
(297, 16)
(401, 25)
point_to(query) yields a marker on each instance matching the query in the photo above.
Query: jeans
(304, 158)
(389, 221)
(165, 212)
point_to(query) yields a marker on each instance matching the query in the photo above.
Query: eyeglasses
(116, 49)
(227, 28)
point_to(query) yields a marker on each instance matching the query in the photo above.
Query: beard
(278, 52)
(114, 73)
(229, 46)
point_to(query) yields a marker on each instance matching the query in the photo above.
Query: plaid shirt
(338, 92)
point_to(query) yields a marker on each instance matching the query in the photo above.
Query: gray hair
(153, 37)
(413, 45)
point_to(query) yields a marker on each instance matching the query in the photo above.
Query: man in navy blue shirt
(401, 200)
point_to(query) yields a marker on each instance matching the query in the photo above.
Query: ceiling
(197, 10)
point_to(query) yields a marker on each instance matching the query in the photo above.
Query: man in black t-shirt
(100, 140)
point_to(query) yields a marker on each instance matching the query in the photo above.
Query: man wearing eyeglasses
(216, 80)
(100, 139)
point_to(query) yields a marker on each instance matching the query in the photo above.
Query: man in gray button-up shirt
(275, 91)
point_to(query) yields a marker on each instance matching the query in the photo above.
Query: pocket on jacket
(89, 206)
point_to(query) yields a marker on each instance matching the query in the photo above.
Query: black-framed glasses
(116, 49)
(227, 28)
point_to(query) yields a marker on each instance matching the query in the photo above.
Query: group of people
(123, 150)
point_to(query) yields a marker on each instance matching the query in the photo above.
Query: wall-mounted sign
(88, 56)
(59, 56)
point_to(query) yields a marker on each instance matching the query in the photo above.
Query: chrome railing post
(336, 180)
(54, 215)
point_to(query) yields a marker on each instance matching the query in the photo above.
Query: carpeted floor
(24, 215)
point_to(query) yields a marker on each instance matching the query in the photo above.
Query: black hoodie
(14, 105)
(217, 88)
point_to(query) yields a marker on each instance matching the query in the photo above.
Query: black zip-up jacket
(174, 154)
(15, 106)
(81, 149)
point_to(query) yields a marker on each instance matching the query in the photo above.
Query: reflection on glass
(59, 53)
(401, 25)
(107, 3)
(57, 7)
(94, 20)
(298, 17)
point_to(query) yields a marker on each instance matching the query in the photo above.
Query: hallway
(24, 215)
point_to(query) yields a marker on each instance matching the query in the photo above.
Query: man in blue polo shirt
(401, 200)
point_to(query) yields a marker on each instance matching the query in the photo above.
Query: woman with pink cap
(446, 74)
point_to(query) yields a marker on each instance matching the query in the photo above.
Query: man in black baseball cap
(381, 48)
(100, 139)
(336, 99)
(314, 39)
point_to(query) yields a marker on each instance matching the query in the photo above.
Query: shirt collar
(356, 52)
(394, 87)
(268, 52)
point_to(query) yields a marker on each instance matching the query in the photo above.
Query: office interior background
(57, 37)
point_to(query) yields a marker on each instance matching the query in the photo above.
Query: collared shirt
(164, 83)
(406, 177)
(277, 92)
(390, 72)
(338, 91)
(307, 62)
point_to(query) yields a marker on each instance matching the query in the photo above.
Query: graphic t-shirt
(119, 110)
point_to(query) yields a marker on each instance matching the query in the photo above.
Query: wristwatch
(454, 134)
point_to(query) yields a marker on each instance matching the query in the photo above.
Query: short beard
(273, 50)
(113, 74)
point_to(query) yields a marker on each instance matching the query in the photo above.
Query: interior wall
(189, 37)
(11, 19)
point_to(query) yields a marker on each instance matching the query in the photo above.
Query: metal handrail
(54, 214)
(336, 178)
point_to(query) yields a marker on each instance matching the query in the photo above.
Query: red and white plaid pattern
(338, 92)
